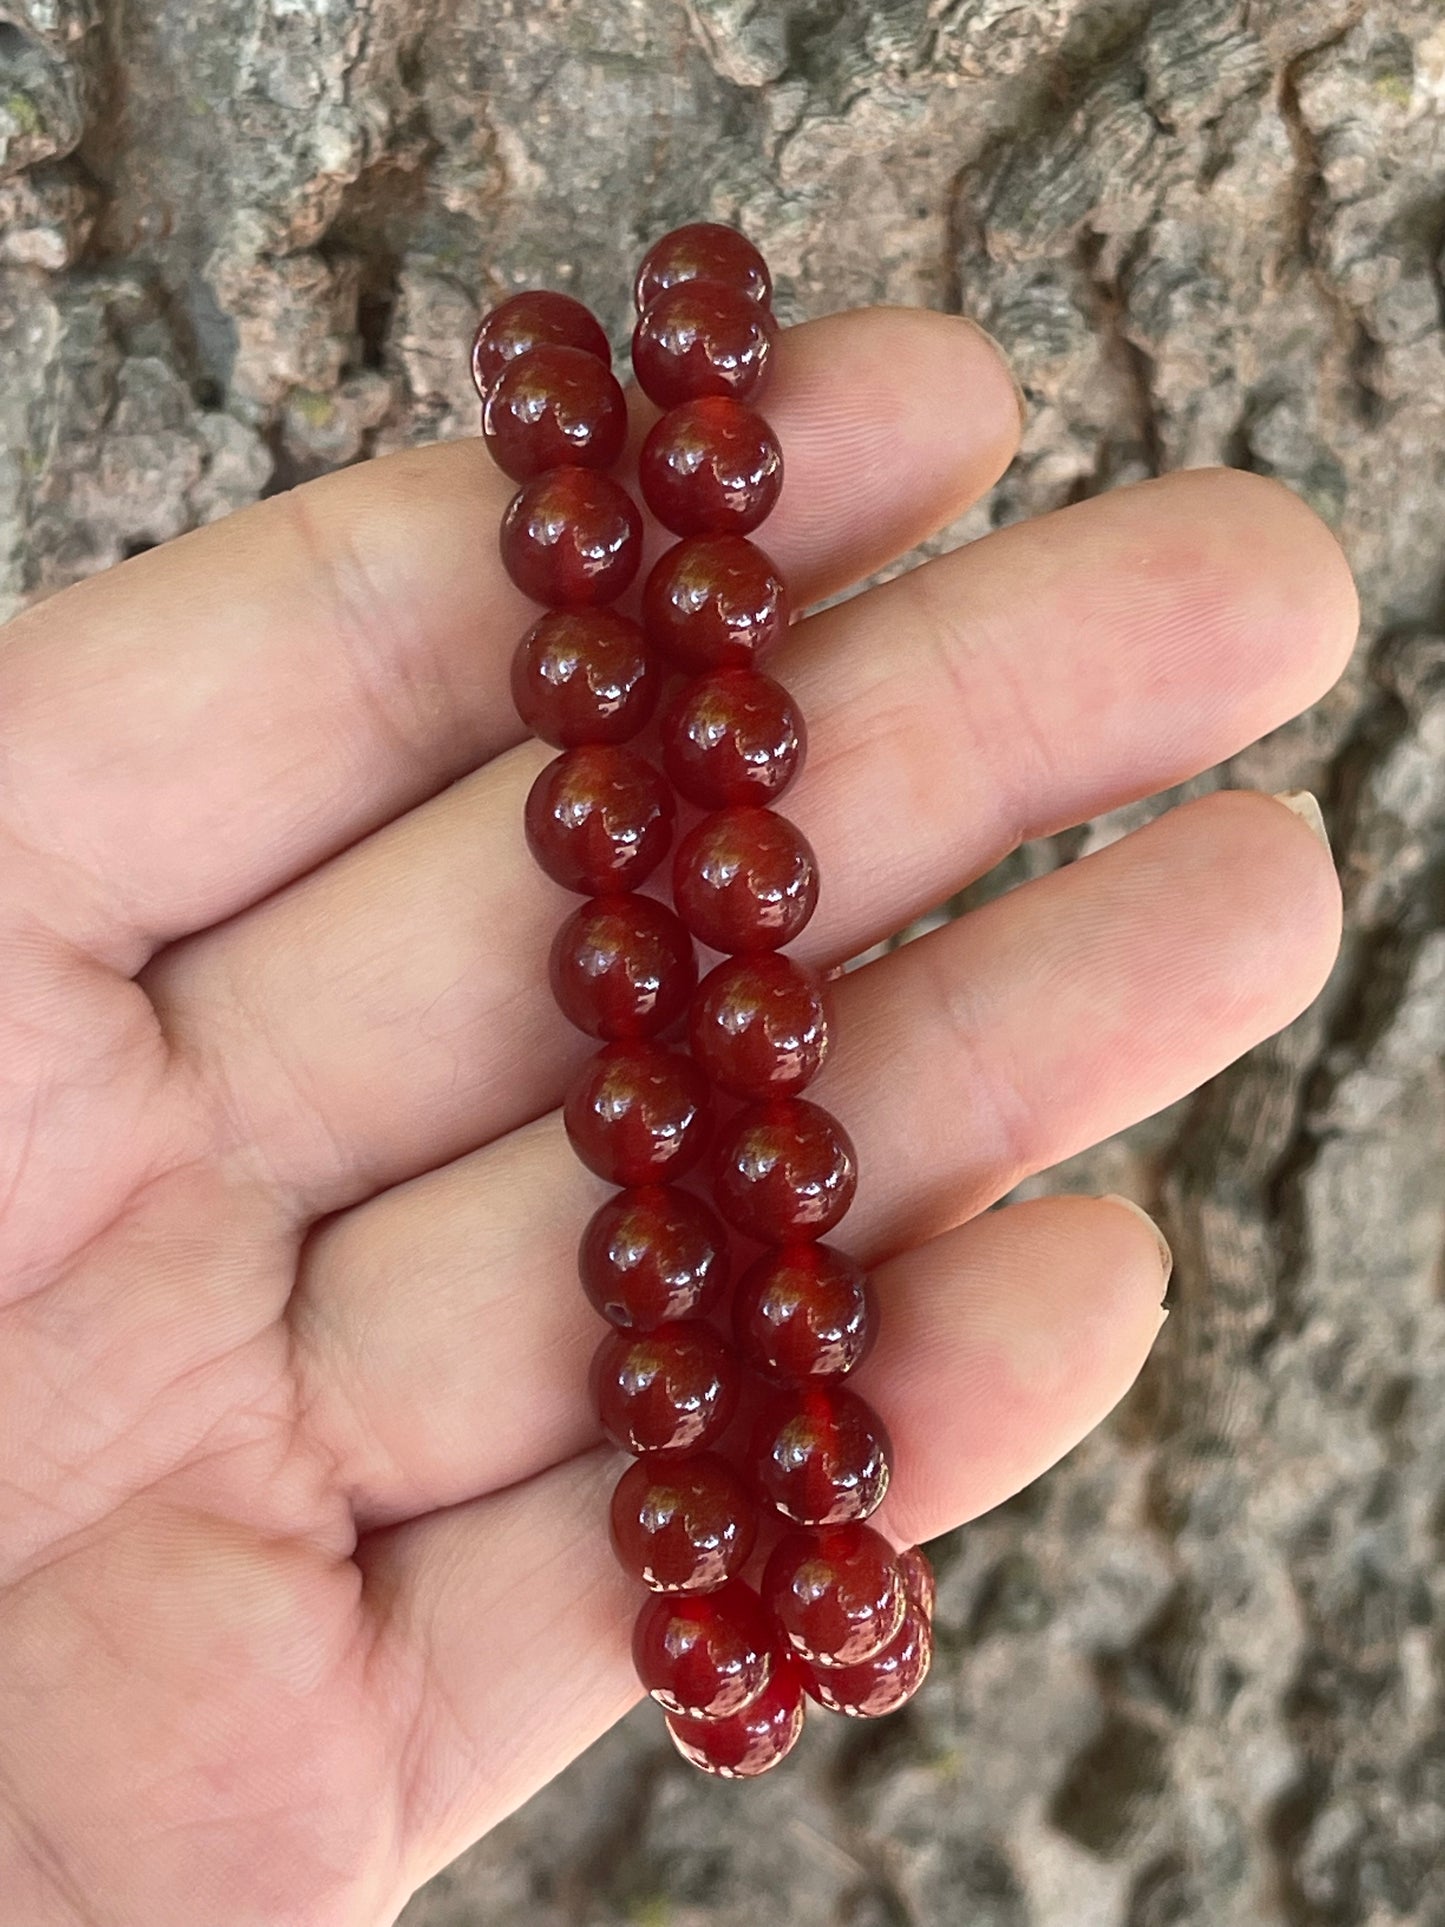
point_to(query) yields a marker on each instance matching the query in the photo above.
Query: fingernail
(1306, 807)
(1020, 398)
(1166, 1256)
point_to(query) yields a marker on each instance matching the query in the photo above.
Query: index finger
(184, 735)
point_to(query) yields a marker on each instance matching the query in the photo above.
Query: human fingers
(993, 1048)
(392, 1010)
(505, 1623)
(181, 736)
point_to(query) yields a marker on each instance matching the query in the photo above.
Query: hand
(304, 1580)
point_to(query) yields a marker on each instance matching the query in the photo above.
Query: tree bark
(1194, 1674)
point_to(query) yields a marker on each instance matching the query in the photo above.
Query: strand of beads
(599, 821)
(730, 1670)
(856, 1618)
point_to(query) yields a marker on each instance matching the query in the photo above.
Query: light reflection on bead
(622, 967)
(881, 1685)
(669, 1390)
(584, 676)
(706, 1656)
(554, 408)
(759, 1026)
(745, 879)
(714, 602)
(534, 318)
(918, 1578)
(571, 537)
(753, 1741)
(785, 1171)
(649, 1256)
(702, 338)
(599, 819)
(638, 1114)
(682, 1524)
(821, 1454)
(802, 1312)
(711, 467)
(733, 737)
(838, 1593)
(702, 251)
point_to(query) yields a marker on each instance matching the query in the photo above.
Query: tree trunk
(1193, 1674)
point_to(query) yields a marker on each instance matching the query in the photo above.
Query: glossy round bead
(786, 1172)
(745, 879)
(622, 967)
(599, 819)
(918, 1579)
(711, 467)
(702, 338)
(571, 537)
(750, 1742)
(584, 676)
(705, 1655)
(733, 737)
(682, 1525)
(638, 1114)
(535, 318)
(669, 1390)
(714, 602)
(553, 407)
(805, 1311)
(759, 1025)
(820, 1455)
(653, 1255)
(837, 1593)
(702, 251)
(878, 1686)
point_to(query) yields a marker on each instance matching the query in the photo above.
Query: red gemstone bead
(622, 967)
(702, 338)
(705, 1655)
(670, 1390)
(838, 1594)
(650, 1256)
(918, 1579)
(820, 1454)
(682, 1525)
(750, 1742)
(599, 819)
(759, 1025)
(583, 676)
(786, 1171)
(733, 737)
(638, 1114)
(535, 318)
(745, 879)
(702, 251)
(711, 467)
(804, 1312)
(882, 1684)
(714, 602)
(571, 536)
(553, 407)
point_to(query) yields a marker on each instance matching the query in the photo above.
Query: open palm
(303, 1571)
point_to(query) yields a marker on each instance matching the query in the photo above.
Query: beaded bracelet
(837, 1614)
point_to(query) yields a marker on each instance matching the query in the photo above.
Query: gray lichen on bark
(1194, 1674)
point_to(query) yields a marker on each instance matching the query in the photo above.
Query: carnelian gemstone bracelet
(756, 1466)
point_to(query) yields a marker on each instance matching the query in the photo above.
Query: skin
(303, 1575)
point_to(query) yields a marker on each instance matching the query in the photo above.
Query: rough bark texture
(1193, 1675)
